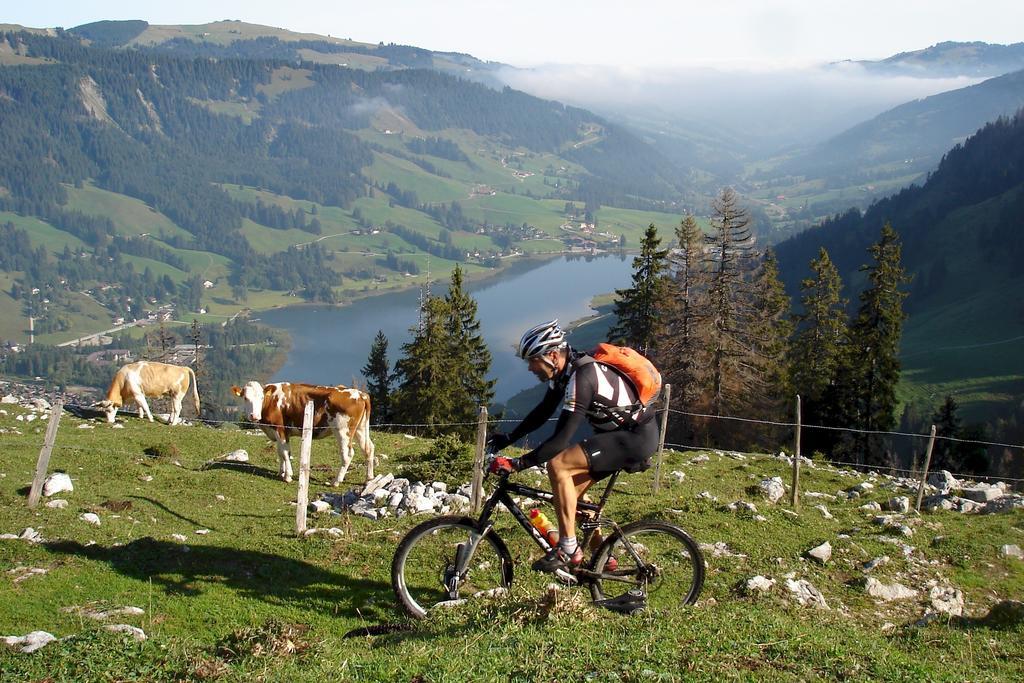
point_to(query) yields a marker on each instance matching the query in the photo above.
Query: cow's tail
(363, 428)
(195, 389)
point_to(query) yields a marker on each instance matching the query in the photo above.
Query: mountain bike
(449, 559)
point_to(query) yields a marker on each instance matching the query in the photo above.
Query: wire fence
(86, 410)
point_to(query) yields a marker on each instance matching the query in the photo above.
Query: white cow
(136, 381)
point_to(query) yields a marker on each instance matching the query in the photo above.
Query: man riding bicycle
(625, 435)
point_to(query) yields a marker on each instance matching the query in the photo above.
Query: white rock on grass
(943, 480)
(57, 503)
(822, 553)
(31, 535)
(100, 615)
(30, 642)
(806, 594)
(90, 518)
(678, 475)
(380, 481)
(888, 592)
(56, 483)
(333, 532)
(240, 455)
(898, 504)
(759, 584)
(180, 538)
(947, 600)
(720, 549)
(824, 511)
(772, 489)
(318, 506)
(982, 493)
(134, 631)
(1011, 551)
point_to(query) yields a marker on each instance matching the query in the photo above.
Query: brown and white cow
(136, 381)
(278, 409)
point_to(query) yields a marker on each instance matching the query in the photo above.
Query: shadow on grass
(181, 570)
(172, 513)
(242, 467)
(1005, 615)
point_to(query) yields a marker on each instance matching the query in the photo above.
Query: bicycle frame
(503, 494)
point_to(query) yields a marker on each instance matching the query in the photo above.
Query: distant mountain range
(949, 59)
(912, 137)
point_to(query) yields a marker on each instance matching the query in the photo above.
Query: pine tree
(683, 338)
(960, 456)
(770, 329)
(377, 372)
(424, 394)
(637, 308)
(871, 368)
(818, 345)
(947, 424)
(729, 308)
(443, 372)
(470, 357)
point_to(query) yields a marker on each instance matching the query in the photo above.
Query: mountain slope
(278, 179)
(963, 243)
(913, 136)
(949, 58)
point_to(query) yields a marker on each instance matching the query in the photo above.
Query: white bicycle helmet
(541, 339)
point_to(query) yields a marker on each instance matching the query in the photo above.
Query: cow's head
(252, 394)
(109, 408)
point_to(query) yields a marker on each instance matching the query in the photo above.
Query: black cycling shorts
(621, 449)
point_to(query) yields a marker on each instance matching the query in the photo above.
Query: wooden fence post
(304, 454)
(477, 485)
(661, 438)
(924, 473)
(794, 499)
(44, 455)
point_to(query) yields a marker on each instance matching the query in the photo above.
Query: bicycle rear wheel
(423, 572)
(668, 567)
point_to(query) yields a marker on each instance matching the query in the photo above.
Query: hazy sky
(627, 33)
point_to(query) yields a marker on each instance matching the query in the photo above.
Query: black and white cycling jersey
(588, 391)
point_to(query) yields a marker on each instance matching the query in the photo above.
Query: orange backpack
(641, 372)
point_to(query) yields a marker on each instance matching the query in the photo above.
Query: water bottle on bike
(542, 524)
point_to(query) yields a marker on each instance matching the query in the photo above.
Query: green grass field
(249, 600)
(130, 216)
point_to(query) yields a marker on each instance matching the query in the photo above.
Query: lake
(330, 345)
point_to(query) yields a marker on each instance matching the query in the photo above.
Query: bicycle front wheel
(657, 558)
(426, 570)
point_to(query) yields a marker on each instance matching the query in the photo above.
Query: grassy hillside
(247, 599)
(357, 254)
